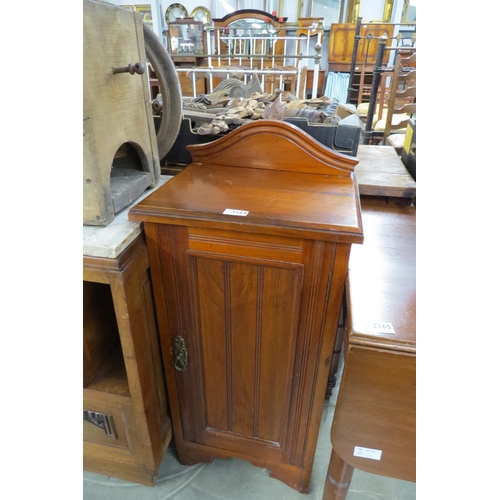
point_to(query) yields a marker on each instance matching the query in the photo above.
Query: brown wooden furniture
(310, 26)
(382, 179)
(392, 98)
(257, 48)
(189, 61)
(402, 101)
(186, 45)
(341, 44)
(239, 19)
(347, 54)
(382, 174)
(373, 427)
(126, 427)
(248, 301)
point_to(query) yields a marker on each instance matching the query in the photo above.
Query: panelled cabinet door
(247, 314)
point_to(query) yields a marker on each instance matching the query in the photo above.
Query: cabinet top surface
(278, 179)
(284, 201)
(381, 284)
(111, 240)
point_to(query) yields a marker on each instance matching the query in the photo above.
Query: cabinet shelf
(111, 378)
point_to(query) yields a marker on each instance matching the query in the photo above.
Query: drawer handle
(105, 422)
(181, 355)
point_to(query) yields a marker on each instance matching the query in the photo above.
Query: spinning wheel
(170, 90)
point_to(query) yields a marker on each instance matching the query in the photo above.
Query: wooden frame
(171, 7)
(353, 8)
(123, 374)
(226, 21)
(176, 30)
(205, 18)
(240, 47)
(146, 13)
(259, 46)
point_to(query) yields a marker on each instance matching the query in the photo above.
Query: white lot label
(230, 211)
(367, 453)
(379, 327)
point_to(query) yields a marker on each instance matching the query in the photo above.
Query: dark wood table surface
(380, 172)
(375, 418)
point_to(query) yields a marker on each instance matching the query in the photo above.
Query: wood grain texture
(301, 190)
(376, 405)
(274, 145)
(403, 93)
(341, 45)
(380, 172)
(384, 268)
(377, 410)
(100, 330)
(113, 38)
(254, 298)
(129, 383)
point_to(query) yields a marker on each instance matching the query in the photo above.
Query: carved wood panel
(247, 315)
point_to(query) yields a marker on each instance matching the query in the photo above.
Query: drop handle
(181, 355)
(137, 68)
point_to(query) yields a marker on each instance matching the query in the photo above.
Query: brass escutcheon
(181, 355)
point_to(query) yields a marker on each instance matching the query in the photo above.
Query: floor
(234, 479)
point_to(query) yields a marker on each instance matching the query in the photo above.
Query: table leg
(337, 350)
(338, 478)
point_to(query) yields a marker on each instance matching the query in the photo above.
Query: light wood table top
(374, 426)
(381, 280)
(380, 172)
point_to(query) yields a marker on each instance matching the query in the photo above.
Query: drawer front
(107, 422)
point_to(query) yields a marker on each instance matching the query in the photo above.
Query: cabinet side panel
(309, 367)
(210, 274)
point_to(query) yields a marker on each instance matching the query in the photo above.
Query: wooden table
(374, 423)
(382, 178)
(381, 173)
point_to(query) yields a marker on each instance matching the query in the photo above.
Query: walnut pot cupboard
(248, 304)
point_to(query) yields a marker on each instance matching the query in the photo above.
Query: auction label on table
(230, 211)
(359, 451)
(379, 327)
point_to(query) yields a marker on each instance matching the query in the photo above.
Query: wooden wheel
(170, 89)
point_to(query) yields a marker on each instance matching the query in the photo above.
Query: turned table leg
(338, 478)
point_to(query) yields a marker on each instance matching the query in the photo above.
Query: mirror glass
(252, 26)
(328, 9)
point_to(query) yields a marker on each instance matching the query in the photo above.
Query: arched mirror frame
(227, 20)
